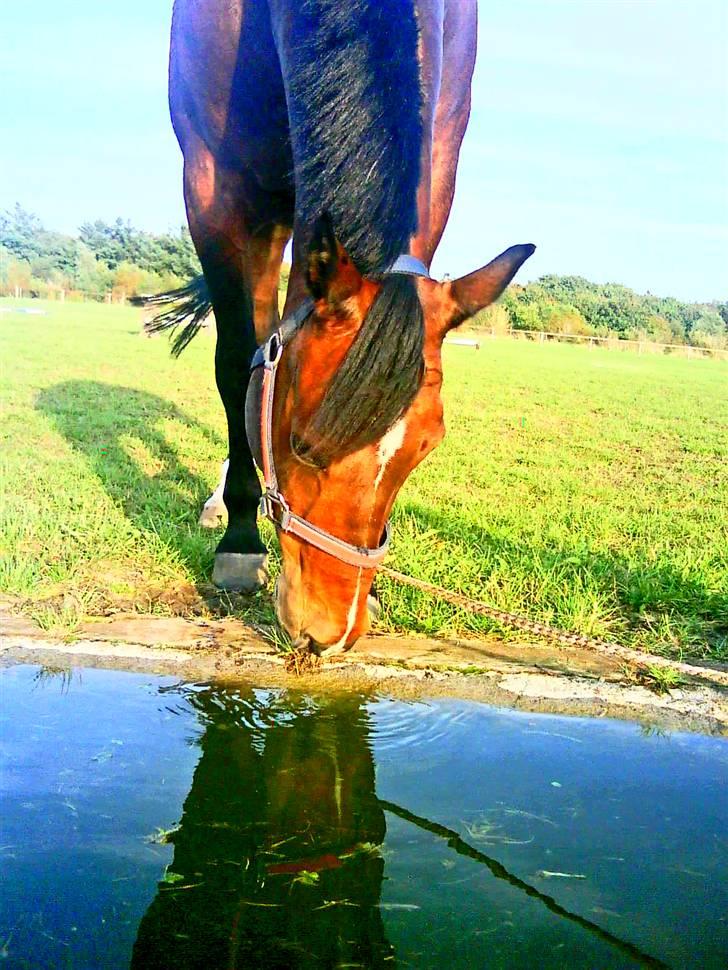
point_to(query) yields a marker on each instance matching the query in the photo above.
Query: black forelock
(355, 109)
(377, 380)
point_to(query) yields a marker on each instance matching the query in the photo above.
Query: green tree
(710, 330)
(20, 233)
(91, 277)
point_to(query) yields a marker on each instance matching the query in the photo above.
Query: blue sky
(599, 131)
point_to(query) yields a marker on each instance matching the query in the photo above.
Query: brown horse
(337, 124)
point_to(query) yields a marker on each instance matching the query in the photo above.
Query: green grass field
(586, 488)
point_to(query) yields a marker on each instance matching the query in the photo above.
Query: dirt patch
(535, 677)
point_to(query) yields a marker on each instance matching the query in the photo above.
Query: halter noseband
(272, 504)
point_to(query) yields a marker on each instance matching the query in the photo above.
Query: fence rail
(613, 343)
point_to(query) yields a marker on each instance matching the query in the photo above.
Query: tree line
(105, 261)
(115, 261)
(574, 305)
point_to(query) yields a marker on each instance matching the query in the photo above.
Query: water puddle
(160, 825)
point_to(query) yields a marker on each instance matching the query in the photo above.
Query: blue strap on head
(407, 265)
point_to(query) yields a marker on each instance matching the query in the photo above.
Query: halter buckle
(274, 507)
(273, 350)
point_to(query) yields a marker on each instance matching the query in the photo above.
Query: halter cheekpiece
(273, 504)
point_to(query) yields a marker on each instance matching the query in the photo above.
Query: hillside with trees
(106, 261)
(115, 261)
(573, 305)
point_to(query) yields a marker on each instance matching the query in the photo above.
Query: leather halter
(272, 504)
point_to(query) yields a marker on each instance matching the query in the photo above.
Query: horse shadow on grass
(120, 430)
(124, 434)
(642, 594)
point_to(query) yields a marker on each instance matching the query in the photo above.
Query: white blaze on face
(388, 448)
(350, 619)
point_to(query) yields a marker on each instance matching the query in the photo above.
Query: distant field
(581, 487)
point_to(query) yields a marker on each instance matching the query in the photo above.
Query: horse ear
(330, 272)
(478, 290)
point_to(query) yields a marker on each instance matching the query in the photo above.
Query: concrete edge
(521, 686)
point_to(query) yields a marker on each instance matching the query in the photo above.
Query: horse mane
(355, 107)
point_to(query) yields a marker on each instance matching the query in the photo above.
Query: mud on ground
(533, 677)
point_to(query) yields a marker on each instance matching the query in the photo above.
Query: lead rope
(505, 619)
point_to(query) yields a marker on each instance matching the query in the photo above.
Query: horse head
(356, 408)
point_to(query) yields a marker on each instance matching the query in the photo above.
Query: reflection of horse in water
(275, 859)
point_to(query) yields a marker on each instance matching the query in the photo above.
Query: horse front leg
(242, 270)
(241, 561)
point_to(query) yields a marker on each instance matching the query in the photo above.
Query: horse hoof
(240, 573)
(212, 514)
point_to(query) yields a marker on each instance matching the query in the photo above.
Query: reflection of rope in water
(500, 872)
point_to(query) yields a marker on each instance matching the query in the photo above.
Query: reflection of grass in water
(551, 874)
(305, 878)
(47, 674)
(331, 903)
(580, 487)
(162, 836)
(361, 848)
(536, 818)
(172, 877)
(488, 833)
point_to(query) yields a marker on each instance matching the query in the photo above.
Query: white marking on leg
(214, 507)
(388, 448)
(217, 495)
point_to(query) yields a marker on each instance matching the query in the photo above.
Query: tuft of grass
(583, 488)
(59, 616)
(661, 680)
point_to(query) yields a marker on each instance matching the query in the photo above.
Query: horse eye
(302, 451)
(297, 446)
